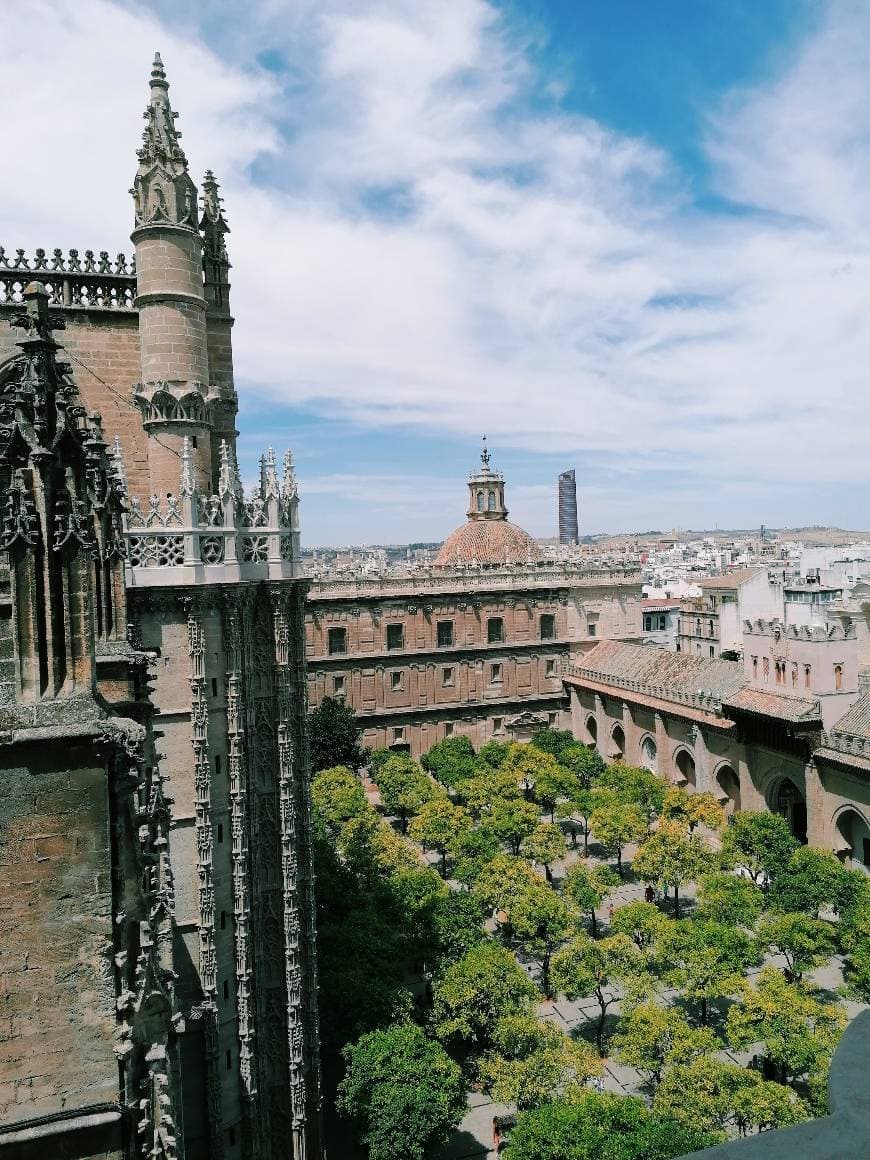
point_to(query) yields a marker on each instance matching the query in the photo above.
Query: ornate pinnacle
(229, 484)
(484, 455)
(163, 190)
(213, 224)
(118, 460)
(187, 485)
(269, 476)
(290, 488)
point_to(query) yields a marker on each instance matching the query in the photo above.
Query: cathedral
(157, 935)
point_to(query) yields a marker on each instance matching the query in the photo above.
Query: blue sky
(629, 237)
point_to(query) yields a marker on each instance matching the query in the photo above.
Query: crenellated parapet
(195, 537)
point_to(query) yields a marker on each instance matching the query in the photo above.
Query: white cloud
(537, 275)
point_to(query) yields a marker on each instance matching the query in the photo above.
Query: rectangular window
(448, 676)
(338, 686)
(395, 636)
(445, 633)
(495, 674)
(397, 682)
(497, 724)
(552, 719)
(647, 624)
(755, 667)
(592, 629)
(807, 674)
(337, 638)
(662, 623)
(712, 651)
(765, 668)
(448, 729)
(495, 630)
(220, 833)
(549, 668)
(548, 626)
(398, 734)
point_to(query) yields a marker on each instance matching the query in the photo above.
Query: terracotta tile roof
(775, 705)
(731, 580)
(855, 721)
(648, 605)
(487, 542)
(677, 672)
(706, 683)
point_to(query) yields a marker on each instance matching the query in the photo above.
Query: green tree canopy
(404, 788)
(532, 1059)
(403, 1091)
(544, 845)
(616, 823)
(805, 943)
(586, 885)
(553, 741)
(337, 796)
(579, 807)
(672, 856)
(439, 826)
(582, 765)
(760, 844)
(652, 1038)
(540, 920)
(487, 789)
(334, 736)
(636, 786)
(450, 761)
(809, 881)
(533, 768)
(705, 960)
(729, 898)
(586, 968)
(713, 1095)
(798, 1031)
(473, 851)
(457, 925)
(600, 1127)
(643, 922)
(493, 754)
(692, 809)
(472, 994)
(512, 821)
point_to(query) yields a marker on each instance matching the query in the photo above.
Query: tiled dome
(487, 542)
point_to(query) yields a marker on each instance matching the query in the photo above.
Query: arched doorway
(729, 789)
(853, 839)
(592, 730)
(789, 802)
(618, 738)
(649, 755)
(685, 764)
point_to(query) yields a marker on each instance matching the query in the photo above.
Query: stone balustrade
(89, 281)
(698, 700)
(435, 580)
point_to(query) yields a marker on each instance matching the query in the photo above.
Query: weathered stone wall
(103, 348)
(57, 1014)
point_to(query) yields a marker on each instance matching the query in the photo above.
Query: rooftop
(730, 581)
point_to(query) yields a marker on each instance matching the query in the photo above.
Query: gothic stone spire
(163, 191)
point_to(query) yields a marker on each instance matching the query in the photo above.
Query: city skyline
(630, 245)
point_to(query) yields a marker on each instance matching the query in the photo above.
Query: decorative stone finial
(290, 487)
(269, 476)
(163, 191)
(484, 455)
(187, 485)
(118, 460)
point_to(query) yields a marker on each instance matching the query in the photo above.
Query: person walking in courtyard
(649, 894)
